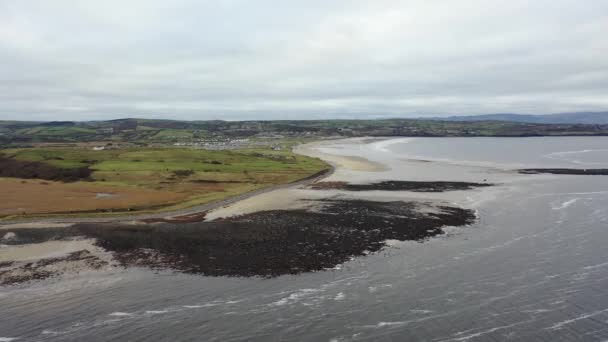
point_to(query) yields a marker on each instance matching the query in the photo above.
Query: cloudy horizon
(237, 59)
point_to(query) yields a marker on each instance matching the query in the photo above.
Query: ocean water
(533, 268)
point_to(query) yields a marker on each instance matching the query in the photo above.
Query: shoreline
(286, 229)
(354, 163)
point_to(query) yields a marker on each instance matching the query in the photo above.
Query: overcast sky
(265, 59)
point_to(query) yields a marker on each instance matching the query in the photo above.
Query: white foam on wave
(384, 144)
(120, 314)
(604, 264)
(537, 311)
(8, 339)
(311, 294)
(340, 296)
(421, 311)
(156, 312)
(485, 332)
(294, 297)
(49, 332)
(561, 324)
(200, 306)
(373, 289)
(389, 324)
(566, 204)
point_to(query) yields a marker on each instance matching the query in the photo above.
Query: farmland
(144, 179)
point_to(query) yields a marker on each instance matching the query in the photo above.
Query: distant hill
(592, 118)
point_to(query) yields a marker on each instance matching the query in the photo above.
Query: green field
(199, 175)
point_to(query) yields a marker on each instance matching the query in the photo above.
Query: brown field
(126, 180)
(39, 197)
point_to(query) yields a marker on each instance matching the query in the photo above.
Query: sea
(534, 267)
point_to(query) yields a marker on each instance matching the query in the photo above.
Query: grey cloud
(237, 59)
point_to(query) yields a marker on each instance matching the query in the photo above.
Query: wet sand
(355, 163)
(20, 263)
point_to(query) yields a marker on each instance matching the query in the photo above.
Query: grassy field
(148, 179)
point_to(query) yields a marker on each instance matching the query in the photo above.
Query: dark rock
(435, 186)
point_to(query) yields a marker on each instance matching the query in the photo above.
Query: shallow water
(535, 266)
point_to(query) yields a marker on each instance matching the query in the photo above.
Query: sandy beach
(295, 197)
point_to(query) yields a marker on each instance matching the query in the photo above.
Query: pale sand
(34, 225)
(49, 249)
(296, 198)
(279, 199)
(24, 263)
(282, 199)
(354, 163)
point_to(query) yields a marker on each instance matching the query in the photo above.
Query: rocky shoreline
(415, 186)
(267, 243)
(289, 231)
(564, 171)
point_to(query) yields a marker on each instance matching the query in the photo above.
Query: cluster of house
(216, 143)
(108, 146)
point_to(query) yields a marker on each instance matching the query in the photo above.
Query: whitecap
(120, 314)
(566, 204)
(561, 324)
(373, 289)
(340, 296)
(8, 339)
(390, 324)
(590, 267)
(484, 332)
(422, 312)
(383, 145)
(537, 311)
(156, 312)
(294, 297)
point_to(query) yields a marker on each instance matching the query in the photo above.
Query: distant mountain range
(597, 118)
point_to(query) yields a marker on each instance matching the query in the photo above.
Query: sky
(300, 59)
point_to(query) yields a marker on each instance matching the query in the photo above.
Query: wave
(384, 144)
(386, 324)
(199, 306)
(484, 332)
(566, 204)
(561, 324)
